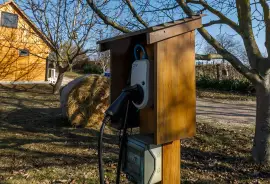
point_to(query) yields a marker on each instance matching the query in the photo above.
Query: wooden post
(171, 163)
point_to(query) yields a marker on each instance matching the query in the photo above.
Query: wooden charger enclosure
(171, 52)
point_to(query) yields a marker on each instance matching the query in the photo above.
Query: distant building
(23, 47)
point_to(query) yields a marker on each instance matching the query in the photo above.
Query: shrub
(92, 68)
(236, 85)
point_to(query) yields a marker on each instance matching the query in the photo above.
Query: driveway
(226, 111)
(66, 79)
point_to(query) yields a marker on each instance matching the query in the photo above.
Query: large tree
(230, 43)
(245, 18)
(68, 26)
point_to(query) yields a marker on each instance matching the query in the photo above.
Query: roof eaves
(152, 29)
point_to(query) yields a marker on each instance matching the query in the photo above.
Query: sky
(177, 14)
(214, 30)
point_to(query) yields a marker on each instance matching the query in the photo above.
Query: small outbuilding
(23, 47)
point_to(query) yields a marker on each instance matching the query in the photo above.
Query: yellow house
(23, 47)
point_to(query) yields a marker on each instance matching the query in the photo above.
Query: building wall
(21, 68)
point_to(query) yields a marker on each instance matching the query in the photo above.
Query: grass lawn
(224, 95)
(38, 146)
(73, 74)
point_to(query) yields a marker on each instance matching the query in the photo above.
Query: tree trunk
(57, 86)
(261, 144)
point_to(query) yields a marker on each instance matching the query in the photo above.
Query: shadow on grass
(33, 136)
(223, 155)
(39, 89)
(35, 139)
(40, 138)
(213, 150)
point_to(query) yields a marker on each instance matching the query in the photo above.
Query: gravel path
(66, 80)
(226, 111)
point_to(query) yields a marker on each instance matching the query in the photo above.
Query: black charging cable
(122, 146)
(100, 149)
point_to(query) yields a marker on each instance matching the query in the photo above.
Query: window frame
(21, 54)
(8, 13)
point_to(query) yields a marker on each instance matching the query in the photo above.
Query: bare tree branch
(213, 22)
(244, 29)
(106, 19)
(266, 13)
(208, 56)
(135, 14)
(239, 66)
(162, 9)
(68, 27)
(221, 16)
(245, 23)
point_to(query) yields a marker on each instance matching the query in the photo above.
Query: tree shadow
(222, 154)
(39, 89)
(35, 136)
(30, 131)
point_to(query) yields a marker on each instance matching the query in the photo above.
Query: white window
(9, 20)
(23, 52)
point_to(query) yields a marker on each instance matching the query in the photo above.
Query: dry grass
(88, 101)
(37, 146)
(220, 153)
(73, 75)
(224, 95)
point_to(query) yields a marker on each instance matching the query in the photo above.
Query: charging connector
(113, 112)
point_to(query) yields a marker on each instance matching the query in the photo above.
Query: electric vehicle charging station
(153, 88)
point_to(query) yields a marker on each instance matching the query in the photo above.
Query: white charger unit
(140, 75)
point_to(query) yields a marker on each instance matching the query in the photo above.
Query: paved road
(228, 111)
